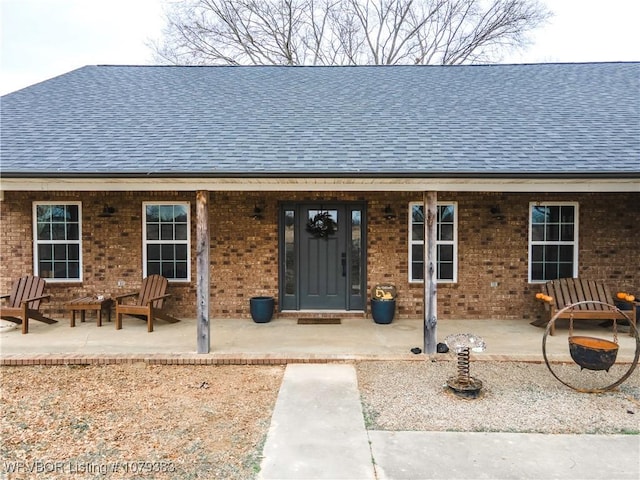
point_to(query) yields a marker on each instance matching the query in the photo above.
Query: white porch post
(202, 269)
(430, 208)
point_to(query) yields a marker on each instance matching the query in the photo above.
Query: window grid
(57, 239)
(446, 242)
(166, 237)
(553, 241)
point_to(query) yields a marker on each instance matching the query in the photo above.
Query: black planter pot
(627, 307)
(261, 309)
(383, 311)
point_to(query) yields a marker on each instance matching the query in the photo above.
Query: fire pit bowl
(593, 353)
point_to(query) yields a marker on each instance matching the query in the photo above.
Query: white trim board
(322, 184)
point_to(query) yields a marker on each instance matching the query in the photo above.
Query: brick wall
(244, 251)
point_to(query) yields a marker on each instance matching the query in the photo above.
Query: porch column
(202, 269)
(430, 208)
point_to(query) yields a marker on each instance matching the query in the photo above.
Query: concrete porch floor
(283, 340)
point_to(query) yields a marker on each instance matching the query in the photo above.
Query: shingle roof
(303, 121)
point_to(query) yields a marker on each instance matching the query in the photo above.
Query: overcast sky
(45, 38)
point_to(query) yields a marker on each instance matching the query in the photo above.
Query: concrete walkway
(317, 428)
(317, 432)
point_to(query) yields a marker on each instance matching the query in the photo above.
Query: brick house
(535, 168)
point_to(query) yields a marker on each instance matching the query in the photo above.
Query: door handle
(343, 259)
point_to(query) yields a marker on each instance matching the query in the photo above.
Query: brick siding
(244, 251)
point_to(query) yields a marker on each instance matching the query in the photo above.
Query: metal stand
(566, 382)
(464, 385)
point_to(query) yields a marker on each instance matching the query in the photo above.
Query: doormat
(319, 321)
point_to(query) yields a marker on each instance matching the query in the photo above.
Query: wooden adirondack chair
(148, 304)
(24, 302)
(557, 294)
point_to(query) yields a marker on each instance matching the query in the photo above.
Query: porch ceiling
(357, 183)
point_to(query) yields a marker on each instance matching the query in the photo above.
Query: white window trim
(453, 242)
(177, 242)
(575, 241)
(36, 242)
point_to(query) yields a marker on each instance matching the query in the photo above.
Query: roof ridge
(473, 65)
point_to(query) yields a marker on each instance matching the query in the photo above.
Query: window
(57, 235)
(289, 253)
(553, 241)
(166, 244)
(446, 242)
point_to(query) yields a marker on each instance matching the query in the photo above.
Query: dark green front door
(324, 258)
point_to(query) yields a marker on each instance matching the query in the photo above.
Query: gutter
(324, 174)
(322, 182)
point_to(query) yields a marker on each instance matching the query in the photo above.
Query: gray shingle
(413, 120)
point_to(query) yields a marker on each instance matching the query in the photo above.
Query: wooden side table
(90, 303)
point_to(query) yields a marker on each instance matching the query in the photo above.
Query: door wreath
(321, 225)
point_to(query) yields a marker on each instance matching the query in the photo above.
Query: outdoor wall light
(389, 214)
(496, 213)
(257, 213)
(107, 211)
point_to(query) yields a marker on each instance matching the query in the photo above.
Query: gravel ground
(180, 422)
(516, 397)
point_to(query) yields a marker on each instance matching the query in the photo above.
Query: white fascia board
(323, 184)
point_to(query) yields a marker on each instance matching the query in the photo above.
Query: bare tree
(346, 32)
